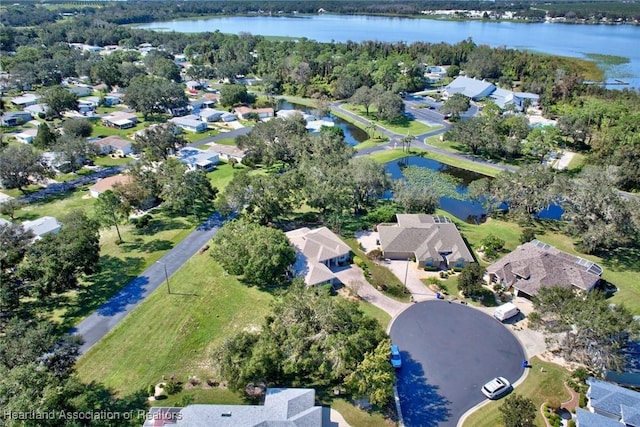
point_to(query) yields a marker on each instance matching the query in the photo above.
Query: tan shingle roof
(314, 247)
(535, 265)
(426, 236)
(108, 183)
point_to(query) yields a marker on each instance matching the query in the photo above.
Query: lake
(461, 208)
(572, 40)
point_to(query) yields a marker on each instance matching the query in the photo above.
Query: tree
(166, 69)
(45, 137)
(421, 189)
(14, 241)
(390, 106)
(596, 212)
(518, 411)
(154, 95)
(491, 245)
(111, 209)
(183, 190)
(59, 100)
(309, 338)
(20, 166)
(470, 280)
(56, 262)
(586, 329)
(77, 127)
(10, 207)
(367, 182)
(158, 142)
(74, 151)
(233, 94)
(374, 377)
(262, 254)
(482, 63)
(364, 96)
(455, 105)
(525, 192)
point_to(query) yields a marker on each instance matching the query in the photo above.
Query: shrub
(172, 387)
(359, 262)
(375, 254)
(527, 235)
(572, 423)
(582, 401)
(151, 389)
(491, 246)
(143, 221)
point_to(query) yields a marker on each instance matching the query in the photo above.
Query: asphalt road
(449, 350)
(107, 316)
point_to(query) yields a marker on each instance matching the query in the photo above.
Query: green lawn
(221, 176)
(577, 161)
(108, 160)
(372, 142)
(226, 141)
(544, 381)
(176, 334)
(57, 205)
(386, 156)
(194, 136)
(65, 177)
(357, 417)
(14, 192)
(402, 126)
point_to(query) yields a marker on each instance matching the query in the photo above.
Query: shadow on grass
(138, 244)
(420, 402)
(114, 275)
(621, 259)
(161, 224)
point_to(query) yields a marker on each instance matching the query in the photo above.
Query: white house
(25, 100)
(114, 144)
(210, 115)
(120, 120)
(42, 226)
(15, 118)
(228, 117)
(81, 90)
(471, 88)
(36, 109)
(198, 159)
(189, 123)
(26, 136)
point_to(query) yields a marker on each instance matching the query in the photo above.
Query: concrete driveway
(449, 350)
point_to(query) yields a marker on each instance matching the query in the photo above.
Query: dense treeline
(27, 14)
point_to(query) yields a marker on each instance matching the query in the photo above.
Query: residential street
(106, 317)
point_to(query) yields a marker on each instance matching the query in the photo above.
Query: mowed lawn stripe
(176, 334)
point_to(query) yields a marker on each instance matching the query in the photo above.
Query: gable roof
(283, 407)
(611, 399)
(114, 141)
(469, 87)
(314, 247)
(426, 236)
(535, 264)
(589, 419)
(42, 226)
(228, 150)
(107, 183)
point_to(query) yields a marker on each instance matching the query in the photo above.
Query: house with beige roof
(317, 251)
(107, 184)
(535, 265)
(432, 240)
(114, 144)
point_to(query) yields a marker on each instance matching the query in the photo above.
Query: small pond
(463, 208)
(353, 135)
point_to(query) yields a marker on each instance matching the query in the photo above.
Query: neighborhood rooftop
(317, 251)
(283, 407)
(535, 264)
(430, 239)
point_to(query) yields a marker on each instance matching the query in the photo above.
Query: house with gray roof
(609, 405)
(189, 123)
(15, 118)
(42, 226)
(283, 407)
(535, 265)
(432, 240)
(316, 252)
(471, 88)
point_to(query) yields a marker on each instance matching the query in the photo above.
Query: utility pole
(166, 276)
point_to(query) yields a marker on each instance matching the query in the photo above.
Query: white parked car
(496, 388)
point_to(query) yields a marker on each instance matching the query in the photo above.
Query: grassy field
(176, 334)
(544, 381)
(107, 161)
(394, 154)
(403, 126)
(227, 141)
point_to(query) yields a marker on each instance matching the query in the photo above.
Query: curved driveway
(449, 350)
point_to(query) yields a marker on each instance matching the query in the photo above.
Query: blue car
(396, 360)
